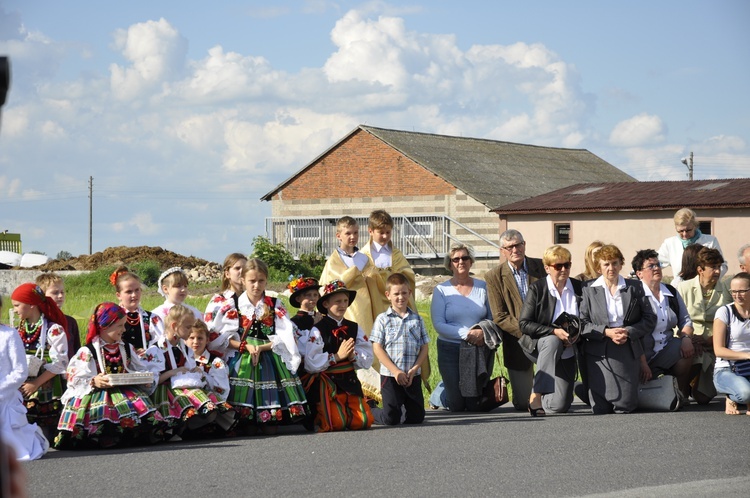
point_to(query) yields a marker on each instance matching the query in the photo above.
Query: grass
(84, 292)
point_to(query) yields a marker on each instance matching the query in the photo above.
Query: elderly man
(744, 256)
(507, 285)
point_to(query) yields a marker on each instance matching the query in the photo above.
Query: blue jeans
(736, 387)
(448, 353)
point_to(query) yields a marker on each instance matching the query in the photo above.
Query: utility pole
(689, 163)
(91, 211)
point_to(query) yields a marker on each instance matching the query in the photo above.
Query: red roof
(637, 196)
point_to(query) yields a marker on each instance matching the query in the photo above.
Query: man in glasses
(507, 285)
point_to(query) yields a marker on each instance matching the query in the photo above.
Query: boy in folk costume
(336, 348)
(388, 260)
(357, 272)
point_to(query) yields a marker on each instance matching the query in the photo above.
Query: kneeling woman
(96, 413)
(546, 302)
(732, 346)
(615, 316)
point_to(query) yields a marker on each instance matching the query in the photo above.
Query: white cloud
(643, 129)
(144, 222)
(9, 187)
(156, 52)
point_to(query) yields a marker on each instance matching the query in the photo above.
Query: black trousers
(395, 397)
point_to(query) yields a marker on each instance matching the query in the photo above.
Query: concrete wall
(10, 279)
(630, 231)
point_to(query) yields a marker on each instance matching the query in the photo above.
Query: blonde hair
(554, 253)
(345, 222)
(380, 219)
(453, 250)
(47, 280)
(175, 279)
(229, 262)
(591, 269)
(686, 217)
(254, 264)
(177, 314)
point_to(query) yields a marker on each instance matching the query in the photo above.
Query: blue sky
(186, 113)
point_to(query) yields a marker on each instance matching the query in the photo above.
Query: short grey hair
(453, 250)
(741, 253)
(511, 234)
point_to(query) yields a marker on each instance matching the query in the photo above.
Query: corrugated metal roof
(639, 196)
(492, 172)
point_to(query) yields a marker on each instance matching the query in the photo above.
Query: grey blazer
(638, 318)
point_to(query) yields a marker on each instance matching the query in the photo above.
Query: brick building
(439, 189)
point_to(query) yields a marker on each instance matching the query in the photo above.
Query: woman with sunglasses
(686, 226)
(544, 318)
(615, 316)
(703, 296)
(732, 346)
(457, 305)
(664, 352)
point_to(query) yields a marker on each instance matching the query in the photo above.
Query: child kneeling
(336, 347)
(399, 340)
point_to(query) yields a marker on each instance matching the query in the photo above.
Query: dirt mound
(113, 256)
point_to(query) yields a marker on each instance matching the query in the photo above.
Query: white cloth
(217, 378)
(566, 302)
(357, 259)
(317, 360)
(163, 310)
(27, 440)
(223, 323)
(670, 254)
(614, 302)
(381, 255)
(283, 341)
(738, 330)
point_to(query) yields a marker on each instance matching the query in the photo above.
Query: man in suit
(507, 285)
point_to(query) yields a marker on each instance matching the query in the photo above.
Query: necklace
(30, 333)
(112, 357)
(133, 318)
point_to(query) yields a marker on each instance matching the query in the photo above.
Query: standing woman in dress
(222, 316)
(615, 315)
(457, 305)
(42, 330)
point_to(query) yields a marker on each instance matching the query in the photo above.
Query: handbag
(741, 368)
(660, 395)
(570, 324)
(34, 363)
(494, 394)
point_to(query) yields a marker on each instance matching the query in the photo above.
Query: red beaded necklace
(30, 333)
(133, 320)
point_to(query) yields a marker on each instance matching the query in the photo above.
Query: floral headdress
(116, 274)
(331, 288)
(299, 286)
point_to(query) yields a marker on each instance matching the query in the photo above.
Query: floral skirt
(192, 405)
(267, 392)
(107, 417)
(44, 406)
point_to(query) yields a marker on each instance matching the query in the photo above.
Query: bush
(64, 256)
(282, 264)
(148, 270)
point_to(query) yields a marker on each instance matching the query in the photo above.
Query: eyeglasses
(460, 258)
(740, 292)
(514, 246)
(652, 266)
(560, 266)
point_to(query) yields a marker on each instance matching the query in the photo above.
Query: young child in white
(173, 285)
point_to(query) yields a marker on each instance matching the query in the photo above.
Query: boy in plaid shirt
(399, 340)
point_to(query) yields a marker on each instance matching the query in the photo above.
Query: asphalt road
(696, 452)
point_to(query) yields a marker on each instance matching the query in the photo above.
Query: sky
(186, 113)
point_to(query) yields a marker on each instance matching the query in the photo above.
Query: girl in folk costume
(180, 397)
(96, 413)
(264, 387)
(142, 328)
(173, 285)
(27, 440)
(221, 311)
(42, 329)
(336, 348)
(305, 295)
(215, 375)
